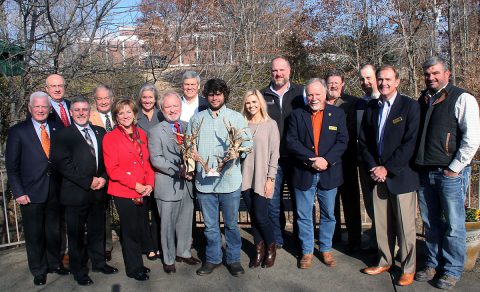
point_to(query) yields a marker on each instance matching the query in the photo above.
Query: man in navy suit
(316, 138)
(78, 157)
(387, 143)
(34, 185)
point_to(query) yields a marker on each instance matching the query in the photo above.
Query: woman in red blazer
(131, 178)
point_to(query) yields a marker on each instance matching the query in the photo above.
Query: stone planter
(473, 244)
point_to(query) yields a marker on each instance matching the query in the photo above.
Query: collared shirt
(212, 141)
(56, 107)
(467, 115)
(92, 135)
(38, 130)
(385, 107)
(317, 121)
(172, 126)
(189, 109)
(104, 118)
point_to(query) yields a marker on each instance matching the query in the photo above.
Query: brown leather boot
(260, 254)
(270, 255)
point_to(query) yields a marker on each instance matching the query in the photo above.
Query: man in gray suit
(173, 187)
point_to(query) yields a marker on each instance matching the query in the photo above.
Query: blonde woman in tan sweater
(259, 169)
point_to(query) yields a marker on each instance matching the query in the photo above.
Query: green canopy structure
(11, 59)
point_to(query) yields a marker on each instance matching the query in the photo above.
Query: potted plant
(472, 224)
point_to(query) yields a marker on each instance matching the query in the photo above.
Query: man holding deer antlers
(222, 135)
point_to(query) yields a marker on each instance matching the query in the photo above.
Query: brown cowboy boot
(270, 255)
(260, 254)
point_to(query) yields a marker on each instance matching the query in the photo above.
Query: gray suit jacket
(166, 158)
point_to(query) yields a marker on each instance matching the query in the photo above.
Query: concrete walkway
(284, 276)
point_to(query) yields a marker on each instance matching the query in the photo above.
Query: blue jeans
(305, 201)
(441, 201)
(274, 208)
(228, 203)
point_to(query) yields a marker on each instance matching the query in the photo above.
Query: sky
(126, 12)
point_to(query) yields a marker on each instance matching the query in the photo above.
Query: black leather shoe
(236, 269)
(40, 280)
(146, 270)
(207, 268)
(141, 276)
(84, 281)
(169, 269)
(61, 271)
(107, 270)
(189, 261)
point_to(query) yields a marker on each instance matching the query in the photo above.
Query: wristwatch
(272, 179)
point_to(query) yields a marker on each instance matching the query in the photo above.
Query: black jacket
(74, 161)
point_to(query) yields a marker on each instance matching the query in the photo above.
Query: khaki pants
(395, 219)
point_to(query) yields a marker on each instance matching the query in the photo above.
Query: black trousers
(93, 217)
(132, 220)
(150, 235)
(41, 223)
(349, 193)
(258, 209)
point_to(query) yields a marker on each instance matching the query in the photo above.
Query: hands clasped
(378, 173)
(319, 163)
(144, 190)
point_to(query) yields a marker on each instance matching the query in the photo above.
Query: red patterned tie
(63, 115)
(179, 132)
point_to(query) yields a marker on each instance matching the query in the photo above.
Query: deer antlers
(235, 137)
(190, 154)
(189, 150)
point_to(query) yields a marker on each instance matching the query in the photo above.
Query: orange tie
(45, 141)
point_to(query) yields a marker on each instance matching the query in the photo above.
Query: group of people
(315, 138)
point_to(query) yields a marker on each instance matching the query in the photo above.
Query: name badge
(270, 102)
(332, 128)
(397, 120)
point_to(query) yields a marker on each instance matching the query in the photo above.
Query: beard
(281, 82)
(216, 108)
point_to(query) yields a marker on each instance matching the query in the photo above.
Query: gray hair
(78, 99)
(432, 61)
(147, 87)
(107, 88)
(315, 80)
(191, 74)
(169, 93)
(38, 94)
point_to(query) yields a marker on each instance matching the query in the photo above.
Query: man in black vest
(449, 138)
(281, 96)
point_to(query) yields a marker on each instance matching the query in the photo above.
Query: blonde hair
(261, 101)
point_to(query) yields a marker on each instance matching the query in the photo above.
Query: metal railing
(11, 229)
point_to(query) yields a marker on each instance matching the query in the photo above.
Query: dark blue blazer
(55, 119)
(333, 143)
(400, 136)
(29, 170)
